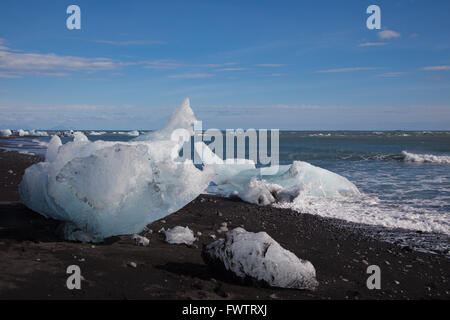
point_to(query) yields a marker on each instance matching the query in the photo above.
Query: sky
(300, 65)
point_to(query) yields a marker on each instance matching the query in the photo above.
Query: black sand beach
(33, 259)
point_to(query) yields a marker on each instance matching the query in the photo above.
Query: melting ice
(101, 189)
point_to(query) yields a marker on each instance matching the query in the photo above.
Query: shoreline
(33, 259)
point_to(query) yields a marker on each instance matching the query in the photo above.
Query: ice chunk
(260, 192)
(183, 117)
(240, 177)
(106, 188)
(258, 256)
(22, 133)
(133, 133)
(79, 137)
(180, 235)
(225, 169)
(5, 133)
(36, 133)
(300, 180)
(306, 179)
(140, 240)
(290, 181)
(53, 148)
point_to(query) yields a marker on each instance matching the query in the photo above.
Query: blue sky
(244, 64)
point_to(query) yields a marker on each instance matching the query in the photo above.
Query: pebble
(132, 264)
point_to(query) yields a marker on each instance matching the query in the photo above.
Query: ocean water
(404, 178)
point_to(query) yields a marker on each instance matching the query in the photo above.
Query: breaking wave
(425, 158)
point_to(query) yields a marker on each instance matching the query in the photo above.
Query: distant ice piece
(107, 188)
(36, 133)
(96, 133)
(180, 235)
(259, 257)
(133, 133)
(22, 133)
(5, 133)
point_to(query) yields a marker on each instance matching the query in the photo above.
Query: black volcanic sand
(33, 259)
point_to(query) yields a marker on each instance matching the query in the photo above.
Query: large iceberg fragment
(300, 179)
(107, 188)
(240, 177)
(259, 257)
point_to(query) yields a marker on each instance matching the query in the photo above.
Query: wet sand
(33, 258)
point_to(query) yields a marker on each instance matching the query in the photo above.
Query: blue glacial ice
(263, 186)
(107, 188)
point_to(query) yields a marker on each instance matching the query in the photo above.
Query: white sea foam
(96, 133)
(425, 158)
(372, 211)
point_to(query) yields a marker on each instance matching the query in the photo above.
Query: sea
(403, 176)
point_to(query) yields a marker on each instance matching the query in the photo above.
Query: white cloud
(14, 64)
(345, 70)
(172, 64)
(388, 34)
(278, 74)
(230, 69)
(436, 68)
(372, 44)
(391, 74)
(127, 43)
(162, 64)
(191, 76)
(270, 65)
(6, 75)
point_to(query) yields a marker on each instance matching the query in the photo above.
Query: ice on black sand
(180, 235)
(259, 257)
